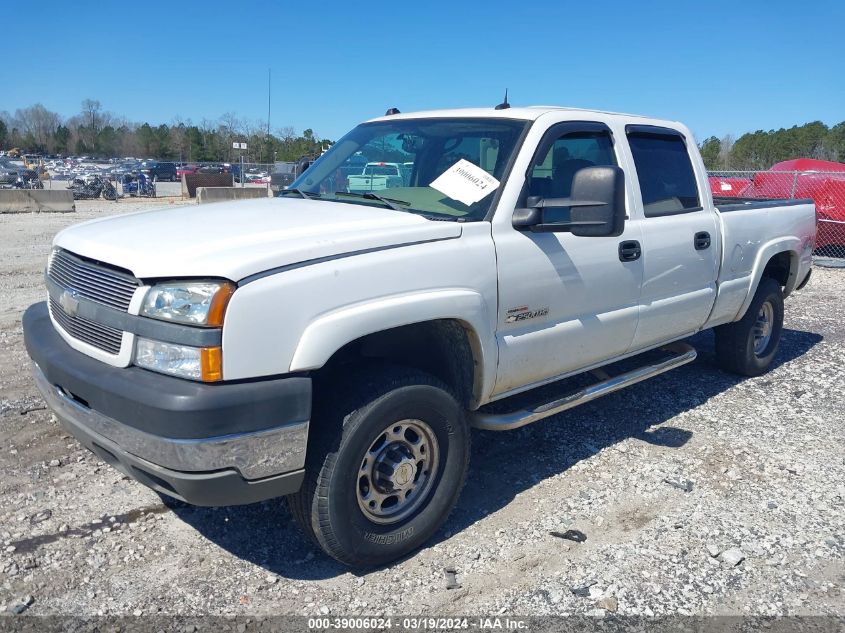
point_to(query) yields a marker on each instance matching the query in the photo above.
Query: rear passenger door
(680, 237)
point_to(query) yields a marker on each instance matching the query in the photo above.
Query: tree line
(760, 149)
(98, 133)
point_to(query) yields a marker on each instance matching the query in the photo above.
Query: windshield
(395, 163)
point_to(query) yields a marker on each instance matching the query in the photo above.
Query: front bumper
(210, 445)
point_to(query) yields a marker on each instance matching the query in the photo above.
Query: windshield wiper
(308, 195)
(393, 203)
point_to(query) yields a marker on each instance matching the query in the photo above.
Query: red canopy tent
(822, 181)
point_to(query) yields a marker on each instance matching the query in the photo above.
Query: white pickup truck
(337, 347)
(376, 177)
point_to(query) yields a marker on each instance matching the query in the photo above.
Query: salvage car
(185, 170)
(8, 173)
(337, 347)
(158, 170)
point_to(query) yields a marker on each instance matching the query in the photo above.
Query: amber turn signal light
(211, 364)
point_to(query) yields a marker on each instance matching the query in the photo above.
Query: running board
(681, 355)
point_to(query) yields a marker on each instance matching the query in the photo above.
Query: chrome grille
(92, 281)
(100, 336)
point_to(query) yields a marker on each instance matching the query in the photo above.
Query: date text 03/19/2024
(421, 623)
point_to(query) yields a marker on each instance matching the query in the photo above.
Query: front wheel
(385, 469)
(748, 346)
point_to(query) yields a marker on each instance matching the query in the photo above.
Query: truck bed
(789, 226)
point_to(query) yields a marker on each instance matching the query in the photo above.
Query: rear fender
(789, 244)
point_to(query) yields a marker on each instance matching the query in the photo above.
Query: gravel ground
(698, 492)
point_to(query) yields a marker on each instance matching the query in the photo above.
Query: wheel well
(445, 348)
(779, 268)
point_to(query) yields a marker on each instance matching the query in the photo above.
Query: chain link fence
(825, 189)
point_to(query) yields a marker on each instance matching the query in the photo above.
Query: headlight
(190, 302)
(195, 363)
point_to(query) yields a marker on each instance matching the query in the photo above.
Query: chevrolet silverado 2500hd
(337, 346)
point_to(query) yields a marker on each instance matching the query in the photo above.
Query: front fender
(329, 332)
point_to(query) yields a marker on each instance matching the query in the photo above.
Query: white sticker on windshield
(465, 182)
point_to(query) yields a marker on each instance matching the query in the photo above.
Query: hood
(234, 240)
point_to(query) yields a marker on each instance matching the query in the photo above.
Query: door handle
(702, 240)
(629, 250)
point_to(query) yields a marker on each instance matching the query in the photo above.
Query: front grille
(103, 284)
(93, 281)
(100, 336)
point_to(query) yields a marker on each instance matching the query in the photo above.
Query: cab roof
(527, 113)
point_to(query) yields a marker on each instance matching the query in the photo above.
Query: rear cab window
(381, 169)
(664, 170)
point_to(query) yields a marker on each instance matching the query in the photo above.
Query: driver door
(565, 302)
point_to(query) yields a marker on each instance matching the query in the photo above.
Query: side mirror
(596, 206)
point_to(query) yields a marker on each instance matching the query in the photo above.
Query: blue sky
(721, 67)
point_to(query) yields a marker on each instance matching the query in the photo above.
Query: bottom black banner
(317, 624)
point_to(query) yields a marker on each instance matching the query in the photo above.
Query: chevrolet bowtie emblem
(69, 302)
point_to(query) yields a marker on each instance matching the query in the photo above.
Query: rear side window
(664, 169)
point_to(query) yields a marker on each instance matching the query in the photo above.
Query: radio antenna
(504, 105)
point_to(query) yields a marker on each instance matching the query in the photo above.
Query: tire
(345, 504)
(743, 347)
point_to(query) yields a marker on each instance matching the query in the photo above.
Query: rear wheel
(748, 346)
(385, 467)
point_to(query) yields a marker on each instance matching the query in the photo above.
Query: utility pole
(267, 139)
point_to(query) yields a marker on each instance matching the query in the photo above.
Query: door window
(664, 169)
(552, 175)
